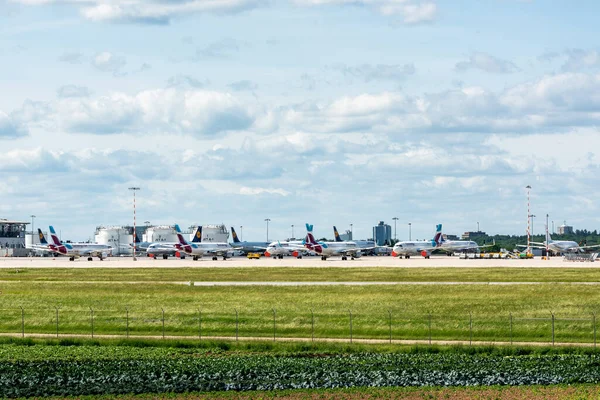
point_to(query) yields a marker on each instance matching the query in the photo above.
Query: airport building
(120, 238)
(565, 229)
(12, 237)
(472, 235)
(382, 233)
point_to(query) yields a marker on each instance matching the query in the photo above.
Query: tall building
(382, 233)
(565, 229)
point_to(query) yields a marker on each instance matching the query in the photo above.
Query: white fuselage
(200, 249)
(458, 245)
(563, 246)
(412, 248)
(161, 248)
(329, 249)
(284, 248)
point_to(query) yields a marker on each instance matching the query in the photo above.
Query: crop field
(106, 302)
(98, 370)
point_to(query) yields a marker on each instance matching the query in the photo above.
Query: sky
(331, 112)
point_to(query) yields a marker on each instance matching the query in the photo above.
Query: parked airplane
(451, 246)
(76, 250)
(247, 247)
(279, 249)
(329, 249)
(198, 249)
(166, 249)
(418, 247)
(561, 246)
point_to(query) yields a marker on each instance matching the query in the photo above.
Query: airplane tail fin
(180, 237)
(42, 237)
(234, 236)
(54, 237)
(198, 235)
(438, 239)
(310, 239)
(337, 235)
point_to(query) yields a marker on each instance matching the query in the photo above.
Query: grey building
(382, 233)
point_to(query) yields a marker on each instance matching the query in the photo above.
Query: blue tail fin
(337, 235)
(234, 236)
(198, 235)
(438, 239)
(54, 237)
(42, 238)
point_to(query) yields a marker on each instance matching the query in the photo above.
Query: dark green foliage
(81, 370)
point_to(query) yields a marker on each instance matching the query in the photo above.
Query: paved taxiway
(241, 262)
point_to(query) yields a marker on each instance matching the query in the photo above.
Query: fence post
(199, 324)
(312, 319)
(237, 325)
(511, 329)
(470, 328)
(594, 325)
(22, 322)
(274, 326)
(56, 321)
(350, 312)
(92, 320)
(390, 315)
(163, 322)
(429, 328)
(552, 328)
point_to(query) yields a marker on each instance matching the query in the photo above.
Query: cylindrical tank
(163, 233)
(212, 233)
(118, 237)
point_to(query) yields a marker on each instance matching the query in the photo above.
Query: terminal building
(12, 237)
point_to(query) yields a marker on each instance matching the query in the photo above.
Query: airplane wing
(592, 246)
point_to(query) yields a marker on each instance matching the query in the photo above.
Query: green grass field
(303, 274)
(119, 308)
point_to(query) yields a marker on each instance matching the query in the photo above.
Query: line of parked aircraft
(278, 249)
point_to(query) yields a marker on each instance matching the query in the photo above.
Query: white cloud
(249, 191)
(487, 63)
(410, 11)
(379, 72)
(149, 11)
(161, 110)
(579, 60)
(108, 62)
(73, 91)
(9, 127)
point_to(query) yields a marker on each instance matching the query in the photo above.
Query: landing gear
(299, 257)
(71, 258)
(195, 258)
(90, 258)
(281, 256)
(323, 258)
(352, 258)
(165, 256)
(406, 256)
(154, 256)
(182, 257)
(214, 258)
(344, 258)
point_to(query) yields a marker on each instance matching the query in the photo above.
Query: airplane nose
(394, 254)
(295, 253)
(267, 254)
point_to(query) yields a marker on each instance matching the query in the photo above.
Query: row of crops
(81, 370)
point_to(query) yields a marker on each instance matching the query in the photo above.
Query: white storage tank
(162, 233)
(118, 237)
(211, 233)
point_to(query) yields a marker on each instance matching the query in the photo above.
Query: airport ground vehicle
(253, 255)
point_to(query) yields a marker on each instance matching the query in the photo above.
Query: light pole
(409, 231)
(528, 214)
(395, 219)
(134, 189)
(351, 233)
(547, 238)
(267, 221)
(293, 231)
(32, 217)
(477, 226)
(242, 233)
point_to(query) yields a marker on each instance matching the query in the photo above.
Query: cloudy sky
(324, 111)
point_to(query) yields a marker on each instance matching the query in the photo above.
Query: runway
(316, 262)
